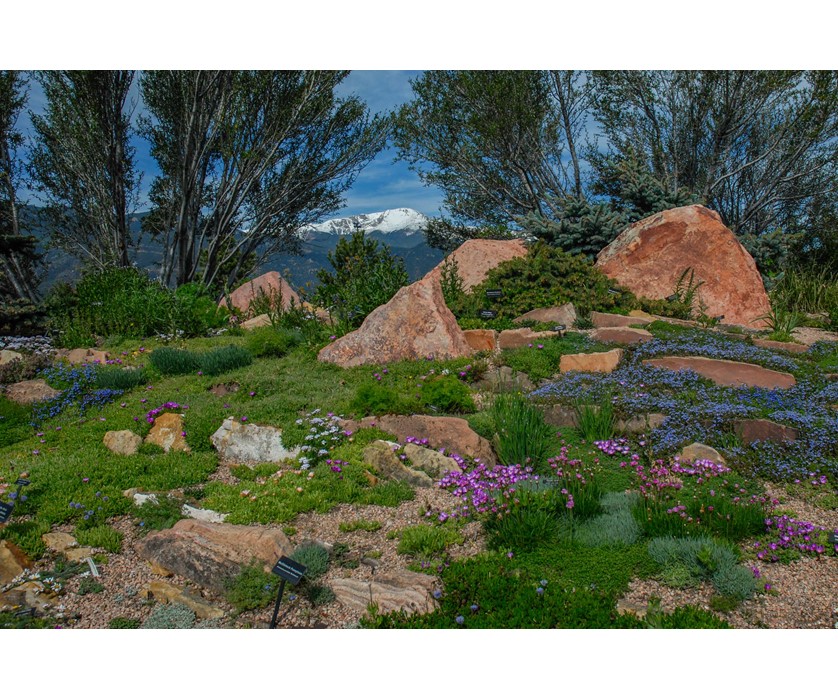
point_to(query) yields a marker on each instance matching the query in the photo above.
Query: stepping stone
(761, 430)
(522, 337)
(406, 591)
(622, 335)
(777, 345)
(727, 372)
(591, 361)
(601, 320)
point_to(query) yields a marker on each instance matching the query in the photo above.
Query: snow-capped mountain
(407, 221)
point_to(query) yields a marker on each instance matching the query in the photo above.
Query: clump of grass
(224, 359)
(110, 377)
(103, 536)
(172, 361)
(158, 514)
(427, 540)
(615, 527)
(521, 434)
(448, 395)
(273, 342)
(123, 623)
(595, 422)
(365, 525)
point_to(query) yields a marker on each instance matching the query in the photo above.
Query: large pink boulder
(270, 284)
(649, 257)
(476, 257)
(414, 324)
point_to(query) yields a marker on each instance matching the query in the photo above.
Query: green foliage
(115, 377)
(735, 582)
(169, 617)
(273, 342)
(448, 395)
(103, 536)
(451, 282)
(10, 621)
(198, 310)
(781, 323)
(530, 525)
(366, 275)
(173, 361)
(123, 623)
(596, 422)
(158, 514)
(683, 617)
(807, 290)
(90, 585)
(252, 589)
(314, 557)
(364, 525)
(427, 540)
(546, 276)
(319, 595)
(377, 399)
(521, 435)
(14, 422)
(222, 360)
(542, 362)
(615, 527)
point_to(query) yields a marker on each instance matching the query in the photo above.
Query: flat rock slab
(122, 442)
(454, 434)
(524, 337)
(381, 455)
(248, 443)
(564, 315)
(211, 553)
(761, 430)
(59, 541)
(727, 372)
(405, 591)
(602, 320)
(622, 335)
(640, 424)
(30, 391)
(591, 361)
(777, 345)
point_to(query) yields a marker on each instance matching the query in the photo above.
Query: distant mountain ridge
(401, 229)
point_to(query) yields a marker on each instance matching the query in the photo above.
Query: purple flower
(459, 619)
(474, 607)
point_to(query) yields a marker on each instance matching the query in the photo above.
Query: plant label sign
(23, 482)
(289, 570)
(487, 313)
(559, 327)
(6, 511)
(494, 293)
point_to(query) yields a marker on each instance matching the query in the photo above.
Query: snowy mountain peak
(409, 221)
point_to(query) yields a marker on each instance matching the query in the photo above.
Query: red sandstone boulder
(414, 324)
(476, 257)
(480, 339)
(650, 256)
(270, 284)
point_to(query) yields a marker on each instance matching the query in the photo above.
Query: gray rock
(381, 455)
(403, 590)
(432, 462)
(248, 443)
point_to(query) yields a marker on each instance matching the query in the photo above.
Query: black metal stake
(276, 607)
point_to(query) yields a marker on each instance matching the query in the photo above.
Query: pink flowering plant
(788, 538)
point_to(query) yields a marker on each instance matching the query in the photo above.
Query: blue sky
(382, 184)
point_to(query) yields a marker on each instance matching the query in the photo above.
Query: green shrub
(224, 359)
(548, 277)
(10, 621)
(169, 617)
(113, 377)
(123, 623)
(273, 342)
(103, 536)
(523, 528)
(366, 275)
(448, 395)
(252, 589)
(160, 514)
(427, 540)
(377, 399)
(735, 581)
(521, 434)
(615, 527)
(688, 617)
(319, 595)
(171, 361)
(198, 310)
(314, 557)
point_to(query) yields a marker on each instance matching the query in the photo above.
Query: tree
(247, 158)
(756, 146)
(500, 144)
(82, 163)
(17, 251)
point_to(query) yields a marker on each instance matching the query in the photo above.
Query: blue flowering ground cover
(699, 411)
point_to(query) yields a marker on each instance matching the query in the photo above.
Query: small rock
(260, 321)
(31, 594)
(429, 461)
(165, 593)
(559, 416)
(381, 455)
(220, 390)
(122, 442)
(139, 498)
(30, 391)
(697, 451)
(522, 337)
(167, 432)
(207, 516)
(405, 591)
(564, 315)
(760, 430)
(75, 554)
(482, 339)
(8, 356)
(505, 379)
(59, 541)
(640, 424)
(622, 335)
(13, 562)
